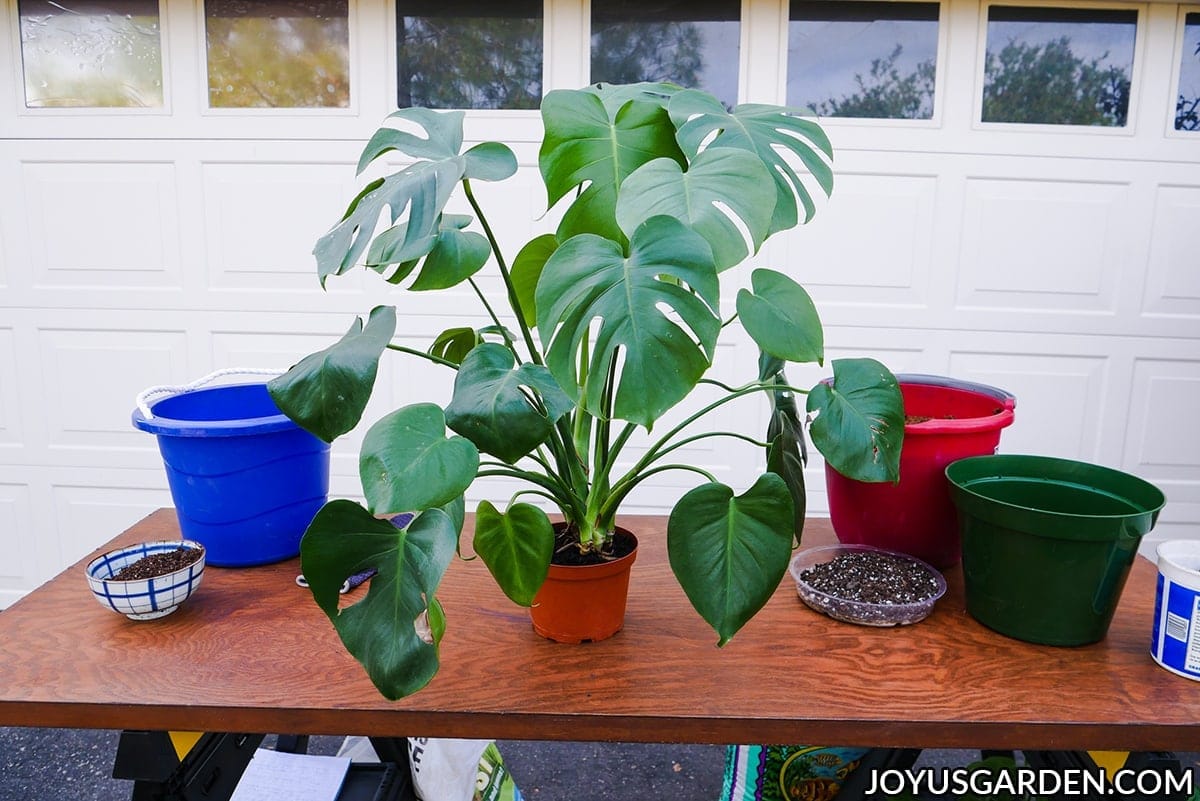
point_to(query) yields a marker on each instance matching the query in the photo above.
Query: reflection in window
(1187, 107)
(278, 54)
(91, 53)
(1058, 66)
(863, 59)
(694, 44)
(469, 54)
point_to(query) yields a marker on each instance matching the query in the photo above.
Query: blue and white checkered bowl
(144, 599)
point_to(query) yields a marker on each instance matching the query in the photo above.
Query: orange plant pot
(584, 603)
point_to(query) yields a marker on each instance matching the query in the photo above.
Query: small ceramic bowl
(149, 598)
(862, 612)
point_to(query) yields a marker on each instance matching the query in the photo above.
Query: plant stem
(563, 498)
(423, 355)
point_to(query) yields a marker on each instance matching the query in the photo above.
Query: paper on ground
(280, 776)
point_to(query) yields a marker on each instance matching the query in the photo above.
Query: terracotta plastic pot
(584, 603)
(916, 515)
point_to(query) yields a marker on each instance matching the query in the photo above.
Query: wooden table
(252, 653)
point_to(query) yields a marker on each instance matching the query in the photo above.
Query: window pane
(863, 59)
(469, 54)
(693, 44)
(277, 54)
(93, 54)
(1187, 108)
(1058, 66)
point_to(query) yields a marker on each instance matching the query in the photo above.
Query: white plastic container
(1176, 641)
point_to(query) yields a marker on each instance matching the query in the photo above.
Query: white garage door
(161, 188)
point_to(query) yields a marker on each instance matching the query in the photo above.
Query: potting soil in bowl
(1047, 543)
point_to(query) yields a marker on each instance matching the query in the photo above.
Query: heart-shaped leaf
(516, 546)
(408, 464)
(493, 405)
(326, 392)
(729, 553)
(454, 344)
(489, 161)
(527, 269)
(454, 257)
(767, 131)
(588, 143)
(859, 427)
(380, 630)
(662, 355)
(734, 179)
(781, 318)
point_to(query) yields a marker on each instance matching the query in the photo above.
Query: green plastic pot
(1047, 543)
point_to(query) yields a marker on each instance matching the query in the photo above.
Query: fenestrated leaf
(408, 464)
(326, 392)
(516, 546)
(763, 130)
(787, 455)
(589, 143)
(454, 344)
(492, 406)
(729, 553)
(589, 279)
(859, 426)
(444, 137)
(781, 318)
(527, 269)
(380, 630)
(734, 178)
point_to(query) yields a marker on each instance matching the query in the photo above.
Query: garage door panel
(1172, 277)
(106, 224)
(1047, 245)
(87, 514)
(12, 437)
(18, 561)
(1163, 429)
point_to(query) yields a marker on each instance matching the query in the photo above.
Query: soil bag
(445, 769)
(786, 772)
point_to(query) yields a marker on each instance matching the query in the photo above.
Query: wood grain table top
(250, 652)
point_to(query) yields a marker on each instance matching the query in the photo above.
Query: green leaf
(781, 318)
(730, 553)
(732, 178)
(662, 356)
(587, 143)
(454, 257)
(489, 161)
(407, 463)
(454, 344)
(516, 547)
(380, 630)
(444, 138)
(326, 392)
(527, 269)
(492, 405)
(859, 426)
(769, 132)
(787, 455)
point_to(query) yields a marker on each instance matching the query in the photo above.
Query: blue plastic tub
(246, 480)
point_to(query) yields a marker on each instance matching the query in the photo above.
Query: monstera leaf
(527, 269)
(422, 188)
(781, 318)
(767, 131)
(407, 463)
(859, 427)
(492, 408)
(326, 392)
(787, 454)
(589, 279)
(380, 630)
(590, 143)
(516, 546)
(729, 553)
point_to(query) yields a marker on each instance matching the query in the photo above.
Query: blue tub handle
(143, 398)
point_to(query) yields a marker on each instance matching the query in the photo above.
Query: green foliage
(610, 323)
(1048, 83)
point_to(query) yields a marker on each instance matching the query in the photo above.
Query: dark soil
(913, 419)
(568, 553)
(874, 578)
(158, 564)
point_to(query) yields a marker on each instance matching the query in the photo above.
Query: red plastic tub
(916, 515)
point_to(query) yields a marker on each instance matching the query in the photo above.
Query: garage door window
(1058, 66)
(863, 59)
(469, 54)
(694, 44)
(277, 54)
(82, 53)
(1187, 107)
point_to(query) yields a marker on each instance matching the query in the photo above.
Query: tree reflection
(1048, 83)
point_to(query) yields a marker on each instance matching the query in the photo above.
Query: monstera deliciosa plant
(602, 327)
